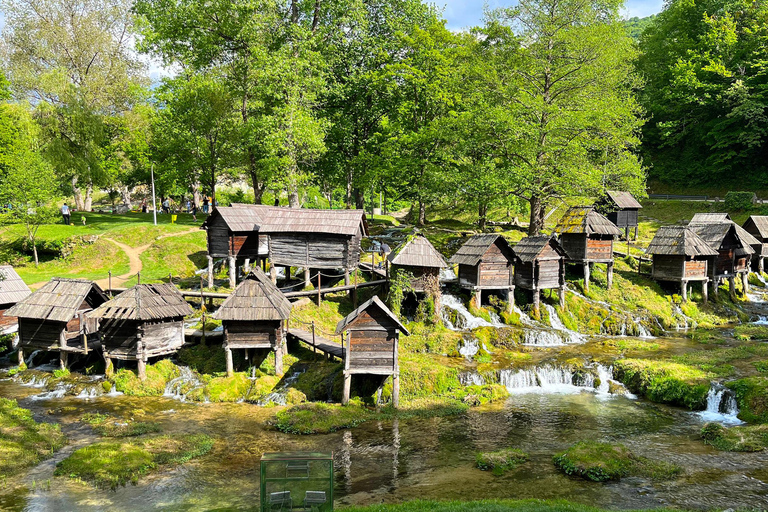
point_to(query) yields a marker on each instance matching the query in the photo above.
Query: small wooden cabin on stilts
(372, 338)
(680, 255)
(485, 263)
(253, 317)
(757, 226)
(419, 257)
(587, 238)
(622, 209)
(53, 318)
(232, 233)
(12, 290)
(144, 321)
(540, 265)
(733, 245)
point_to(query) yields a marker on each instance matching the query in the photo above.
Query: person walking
(193, 211)
(384, 251)
(205, 204)
(65, 213)
(167, 206)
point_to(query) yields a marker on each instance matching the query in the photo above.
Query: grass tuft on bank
(601, 462)
(23, 441)
(750, 438)
(501, 461)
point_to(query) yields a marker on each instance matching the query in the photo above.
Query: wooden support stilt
(210, 272)
(306, 277)
(561, 296)
(279, 360)
(684, 290)
(21, 356)
(760, 264)
(704, 294)
(347, 388)
(63, 359)
(288, 273)
(396, 390)
(586, 277)
(247, 265)
(142, 367)
(745, 282)
(346, 277)
(536, 301)
(610, 275)
(230, 364)
(272, 272)
(319, 296)
(109, 370)
(478, 298)
(232, 272)
(510, 299)
(732, 286)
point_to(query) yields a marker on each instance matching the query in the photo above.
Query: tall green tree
(707, 92)
(562, 115)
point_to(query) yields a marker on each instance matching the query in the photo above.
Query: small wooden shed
(372, 334)
(733, 246)
(52, 318)
(540, 265)
(622, 209)
(680, 255)
(232, 233)
(587, 237)
(757, 226)
(12, 290)
(144, 321)
(253, 318)
(485, 263)
(419, 257)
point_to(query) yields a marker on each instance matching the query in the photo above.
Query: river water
(432, 458)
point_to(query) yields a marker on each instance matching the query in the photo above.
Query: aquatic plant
(752, 397)
(751, 438)
(500, 461)
(108, 426)
(664, 381)
(601, 462)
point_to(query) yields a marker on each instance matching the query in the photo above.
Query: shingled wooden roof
(723, 218)
(623, 199)
(373, 302)
(417, 252)
(58, 300)
(713, 233)
(761, 224)
(256, 298)
(710, 217)
(275, 219)
(475, 247)
(679, 241)
(529, 248)
(144, 302)
(12, 288)
(584, 219)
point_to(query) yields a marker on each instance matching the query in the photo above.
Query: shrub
(739, 200)
(501, 461)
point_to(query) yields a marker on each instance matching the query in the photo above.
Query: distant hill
(636, 26)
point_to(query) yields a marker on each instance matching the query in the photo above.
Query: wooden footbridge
(315, 341)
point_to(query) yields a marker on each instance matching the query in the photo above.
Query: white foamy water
(58, 392)
(279, 396)
(469, 347)
(559, 379)
(471, 379)
(468, 320)
(721, 406)
(181, 386)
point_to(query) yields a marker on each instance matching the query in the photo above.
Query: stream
(551, 407)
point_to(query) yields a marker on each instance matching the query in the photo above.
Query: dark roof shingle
(530, 247)
(417, 252)
(373, 301)
(584, 219)
(475, 247)
(144, 302)
(12, 287)
(623, 199)
(256, 298)
(58, 300)
(275, 219)
(680, 241)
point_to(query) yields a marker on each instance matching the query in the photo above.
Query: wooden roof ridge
(623, 199)
(529, 248)
(417, 251)
(256, 298)
(277, 219)
(585, 219)
(12, 287)
(471, 252)
(373, 301)
(58, 300)
(710, 218)
(679, 241)
(237, 218)
(144, 302)
(713, 233)
(761, 224)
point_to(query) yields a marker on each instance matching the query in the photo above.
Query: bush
(739, 200)
(501, 461)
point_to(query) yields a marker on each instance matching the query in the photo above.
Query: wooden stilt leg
(536, 300)
(272, 272)
(63, 360)
(247, 265)
(346, 277)
(287, 273)
(561, 295)
(232, 272)
(610, 275)
(684, 290)
(347, 388)
(760, 264)
(109, 371)
(510, 299)
(21, 356)
(230, 364)
(396, 390)
(732, 286)
(279, 361)
(306, 277)
(704, 293)
(745, 282)
(142, 367)
(210, 272)
(586, 277)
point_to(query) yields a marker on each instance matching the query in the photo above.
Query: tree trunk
(537, 217)
(196, 194)
(359, 199)
(422, 214)
(34, 251)
(482, 215)
(125, 194)
(293, 198)
(348, 197)
(78, 194)
(88, 197)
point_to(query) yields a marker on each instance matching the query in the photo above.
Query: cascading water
(721, 405)
(568, 335)
(467, 321)
(447, 274)
(559, 379)
(31, 358)
(58, 392)
(471, 379)
(181, 386)
(280, 396)
(469, 347)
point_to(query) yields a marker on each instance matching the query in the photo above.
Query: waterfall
(557, 324)
(642, 332)
(524, 319)
(605, 374)
(721, 405)
(36, 382)
(279, 396)
(688, 322)
(88, 393)
(469, 347)
(559, 379)
(471, 379)
(30, 358)
(58, 392)
(182, 385)
(469, 321)
(447, 274)
(114, 392)
(544, 338)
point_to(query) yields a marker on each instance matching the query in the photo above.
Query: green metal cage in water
(297, 481)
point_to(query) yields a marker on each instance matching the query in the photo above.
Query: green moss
(751, 332)
(61, 373)
(228, 389)
(533, 505)
(752, 438)
(158, 375)
(106, 426)
(664, 381)
(115, 463)
(601, 462)
(752, 397)
(501, 461)
(23, 441)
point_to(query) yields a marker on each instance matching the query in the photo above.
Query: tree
(707, 92)
(561, 110)
(75, 62)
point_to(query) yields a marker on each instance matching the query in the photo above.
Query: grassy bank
(23, 441)
(601, 462)
(481, 506)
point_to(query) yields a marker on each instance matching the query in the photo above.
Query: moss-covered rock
(158, 376)
(664, 381)
(601, 462)
(108, 426)
(752, 438)
(501, 461)
(752, 397)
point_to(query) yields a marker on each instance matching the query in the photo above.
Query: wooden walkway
(373, 270)
(317, 342)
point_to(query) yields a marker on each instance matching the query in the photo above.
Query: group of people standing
(165, 207)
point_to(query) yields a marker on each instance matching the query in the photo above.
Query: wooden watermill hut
(733, 245)
(680, 255)
(622, 209)
(485, 263)
(372, 334)
(540, 265)
(253, 318)
(52, 318)
(757, 226)
(419, 257)
(144, 321)
(290, 237)
(12, 290)
(587, 237)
